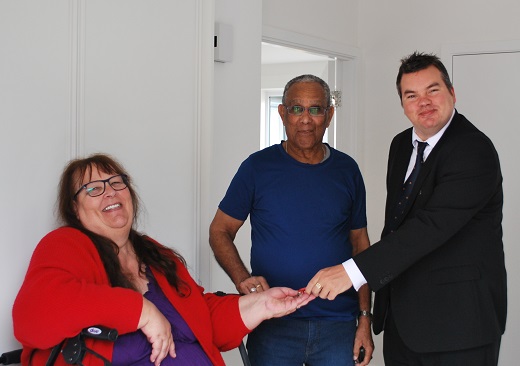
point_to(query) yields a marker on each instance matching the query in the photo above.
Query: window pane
(276, 132)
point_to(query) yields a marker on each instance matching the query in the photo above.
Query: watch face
(364, 313)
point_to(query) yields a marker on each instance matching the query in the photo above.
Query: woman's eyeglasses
(97, 187)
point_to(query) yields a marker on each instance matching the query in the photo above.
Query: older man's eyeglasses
(298, 110)
(97, 187)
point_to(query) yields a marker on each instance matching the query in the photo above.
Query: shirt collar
(432, 141)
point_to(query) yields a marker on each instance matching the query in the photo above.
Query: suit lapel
(399, 159)
(403, 153)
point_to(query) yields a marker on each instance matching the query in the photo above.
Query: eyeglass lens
(97, 187)
(298, 110)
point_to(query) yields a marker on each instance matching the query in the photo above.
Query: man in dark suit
(438, 270)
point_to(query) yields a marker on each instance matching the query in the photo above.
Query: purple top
(134, 349)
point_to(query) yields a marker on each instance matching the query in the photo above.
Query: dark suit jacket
(443, 268)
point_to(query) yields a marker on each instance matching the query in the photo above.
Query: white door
(486, 87)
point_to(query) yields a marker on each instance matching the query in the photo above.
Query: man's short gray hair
(307, 78)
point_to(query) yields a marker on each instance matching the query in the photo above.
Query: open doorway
(343, 74)
(279, 65)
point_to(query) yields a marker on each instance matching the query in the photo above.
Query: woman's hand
(271, 303)
(157, 330)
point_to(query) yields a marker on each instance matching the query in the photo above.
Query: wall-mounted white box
(223, 43)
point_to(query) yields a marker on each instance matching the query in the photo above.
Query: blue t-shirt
(301, 216)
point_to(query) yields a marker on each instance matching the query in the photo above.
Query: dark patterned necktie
(408, 185)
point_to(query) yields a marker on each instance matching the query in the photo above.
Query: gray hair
(309, 79)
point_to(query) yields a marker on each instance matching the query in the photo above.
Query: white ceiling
(275, 54)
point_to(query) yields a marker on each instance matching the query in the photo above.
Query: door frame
(346, 132)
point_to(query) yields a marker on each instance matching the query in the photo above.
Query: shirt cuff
(354, 273)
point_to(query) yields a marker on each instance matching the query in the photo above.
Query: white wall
(330, 20)
(277, 75)
(235, 129)
(139, 104)
(78, 77)
(34, 144)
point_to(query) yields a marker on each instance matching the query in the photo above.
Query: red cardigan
(66, 289)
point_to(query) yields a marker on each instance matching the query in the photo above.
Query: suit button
(387, 278)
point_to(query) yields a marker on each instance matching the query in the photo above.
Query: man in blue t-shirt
(306, 203)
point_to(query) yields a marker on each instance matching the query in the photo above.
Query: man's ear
(453, 95)
(282, 111)
(330, 114)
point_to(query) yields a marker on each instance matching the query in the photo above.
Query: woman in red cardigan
(98, 270)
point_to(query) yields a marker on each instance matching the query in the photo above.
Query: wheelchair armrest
(11, 357)
(74, 349)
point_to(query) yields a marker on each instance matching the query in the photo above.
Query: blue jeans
(294, 342)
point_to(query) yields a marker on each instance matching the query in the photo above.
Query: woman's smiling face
(111, 214)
